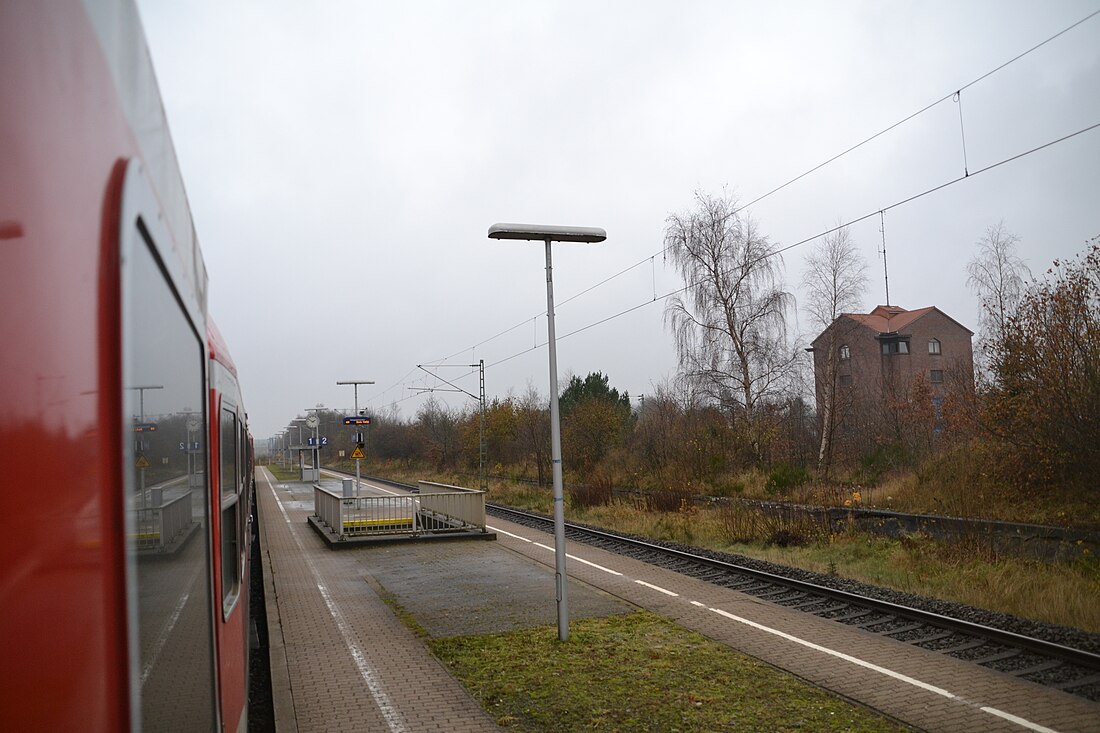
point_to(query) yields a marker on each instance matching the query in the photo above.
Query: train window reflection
(167, 505)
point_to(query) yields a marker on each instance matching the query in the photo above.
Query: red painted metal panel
(62, 136)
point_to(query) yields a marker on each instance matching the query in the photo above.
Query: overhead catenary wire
(956, 94)
(877, 212)
(775, 252)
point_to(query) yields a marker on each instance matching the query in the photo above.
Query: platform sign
(318, 442)
(145, 427)
(357, 420)
(142, 461)
(358, 452)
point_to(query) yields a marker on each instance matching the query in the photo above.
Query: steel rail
(1041, 646)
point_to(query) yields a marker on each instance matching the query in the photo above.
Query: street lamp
(550, 234)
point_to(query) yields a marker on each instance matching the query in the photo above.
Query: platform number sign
(318, 442)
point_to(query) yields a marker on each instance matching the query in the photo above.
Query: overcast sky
(344, 161)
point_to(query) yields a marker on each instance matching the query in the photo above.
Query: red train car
(126, 457)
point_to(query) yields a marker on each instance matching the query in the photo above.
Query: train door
(232, 548)
(172, 671)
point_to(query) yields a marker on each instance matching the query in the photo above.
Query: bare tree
(730, 325)
(835, 280)
(438, 425)
(533, 431)
(998, 277)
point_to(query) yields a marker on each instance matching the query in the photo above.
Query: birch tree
(998, 276)
(834, 282)
(730, 322)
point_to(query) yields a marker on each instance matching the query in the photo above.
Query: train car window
(165, 494)
(245, 459)
(230, 493)
(231, 574)
(228, 452)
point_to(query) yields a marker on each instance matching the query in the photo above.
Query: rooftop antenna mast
(885, 271)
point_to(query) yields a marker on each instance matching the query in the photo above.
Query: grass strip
(639, 672)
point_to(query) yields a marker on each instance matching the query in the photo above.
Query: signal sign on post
(142, 461)
(358, 452)
(357, 420)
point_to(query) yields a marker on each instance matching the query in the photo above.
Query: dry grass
(1063, 593)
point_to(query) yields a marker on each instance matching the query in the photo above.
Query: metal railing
(444, 509)
(158, 526)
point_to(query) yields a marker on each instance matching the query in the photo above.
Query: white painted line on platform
(571, 557)
(839, 655)
(394, 720)
(598, 567)
(364, 482)
(657, 588)
(1023, 722)
(166, 632)
(501, 531)
(1018, 721)
(884, 671)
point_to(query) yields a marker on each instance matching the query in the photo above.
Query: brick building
(875, 371)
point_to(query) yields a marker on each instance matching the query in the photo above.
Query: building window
(895, 346)
(845, 353)
(845, 380)
(933, 346)
(937, 376)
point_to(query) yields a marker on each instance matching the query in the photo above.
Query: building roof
(886, 319)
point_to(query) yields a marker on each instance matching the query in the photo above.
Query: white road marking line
(1018, 721)
(657, 588)
(598, 567)
(364, 482)
(839, 655)
(394, 720)
(169, 626)
(817, 647)
(501, 531)
(571, 557)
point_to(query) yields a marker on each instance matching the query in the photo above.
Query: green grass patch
(639, 672)
(283, 473)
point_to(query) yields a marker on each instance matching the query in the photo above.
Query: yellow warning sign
(142, 461)
(357, 453)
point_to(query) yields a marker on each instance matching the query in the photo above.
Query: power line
(814, 169)
(775, 252)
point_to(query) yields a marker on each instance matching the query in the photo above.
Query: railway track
(1041, 660)
(1053, 656)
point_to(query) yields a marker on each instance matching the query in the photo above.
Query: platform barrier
(158, 526)
(442, 509)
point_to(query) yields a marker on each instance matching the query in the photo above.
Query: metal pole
(555, 457)
(356, 460)
(482, 454)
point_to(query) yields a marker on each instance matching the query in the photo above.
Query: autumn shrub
(779, 527)
(590, 495)
(784, 477)
(1042, 405)
(667, 500)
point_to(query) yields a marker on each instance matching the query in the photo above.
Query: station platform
(342, 660)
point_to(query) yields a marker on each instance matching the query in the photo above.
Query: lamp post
(550, 234)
